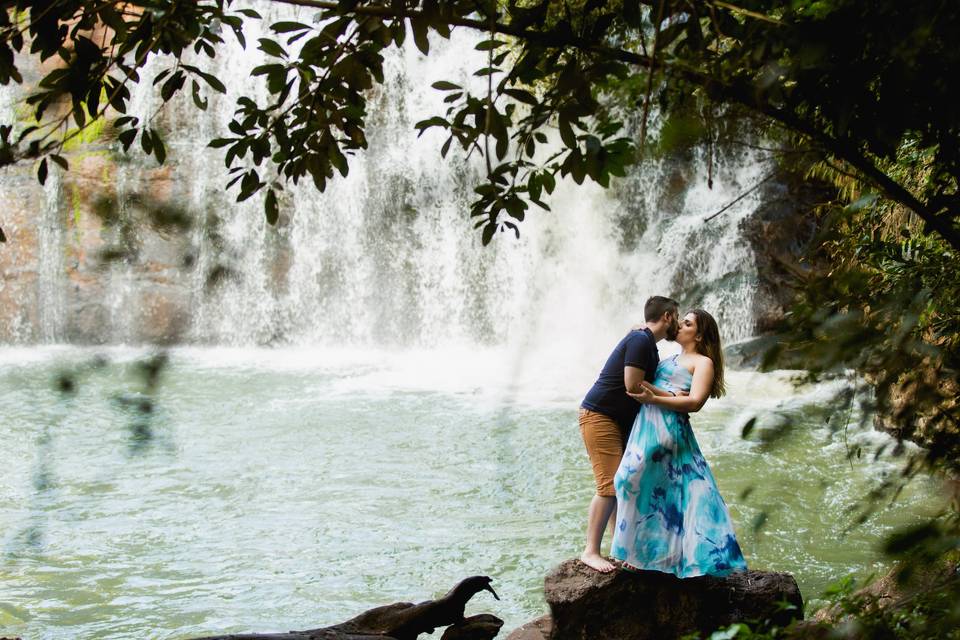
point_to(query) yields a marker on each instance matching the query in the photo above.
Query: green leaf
(549, 182)
(60, 160)
(23, 134)
(198, 100)
(270, 207)
(338, 160)
(399, 33)
(42, 172)
(265, 69)
(160, 76)
(534, 186)
(502, 147)
(146, 143)
(487, 45)
(443, 85)
(173, 84)
(566, 133)
(271, 48)
(488, 231)
(420, 28)
(592, 144)
(249, 184)
(435, 121)
(522, 96)
(516, 208)
(159, 149)
(287, 27)
(127, 137)
(209, 78)
(214, 82)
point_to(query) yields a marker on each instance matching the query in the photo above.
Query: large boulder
(587, 605)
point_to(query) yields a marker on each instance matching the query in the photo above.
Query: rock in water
(587, 605)
(539, 629)
(479, 627)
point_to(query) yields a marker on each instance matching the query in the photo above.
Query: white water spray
(388, 256)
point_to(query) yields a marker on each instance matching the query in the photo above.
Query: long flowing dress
(670, 515)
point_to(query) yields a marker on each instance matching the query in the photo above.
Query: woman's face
(687, 334)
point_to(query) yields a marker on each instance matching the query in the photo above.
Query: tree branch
(716, 89)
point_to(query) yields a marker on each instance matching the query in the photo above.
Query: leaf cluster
(852, 81)
(95, 51)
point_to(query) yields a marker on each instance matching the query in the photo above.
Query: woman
(670, 516)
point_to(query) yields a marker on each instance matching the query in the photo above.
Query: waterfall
(388, 255)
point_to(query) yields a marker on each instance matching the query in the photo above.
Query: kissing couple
(654, 487)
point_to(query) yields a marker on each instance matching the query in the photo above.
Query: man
(607, 413)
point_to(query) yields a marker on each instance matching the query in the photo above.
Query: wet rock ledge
(586, 605)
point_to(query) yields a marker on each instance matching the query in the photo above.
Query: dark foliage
(853, 81)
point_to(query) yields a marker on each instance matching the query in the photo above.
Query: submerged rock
(623, 605)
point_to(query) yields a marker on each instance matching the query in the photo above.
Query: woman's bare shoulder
(700, 360)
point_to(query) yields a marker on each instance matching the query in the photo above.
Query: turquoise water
(268, 490)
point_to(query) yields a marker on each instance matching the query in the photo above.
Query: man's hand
(654, 390)
(645, 394)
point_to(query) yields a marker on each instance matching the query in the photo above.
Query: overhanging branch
(725, 92)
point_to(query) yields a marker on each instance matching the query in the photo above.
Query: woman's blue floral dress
(670, 516)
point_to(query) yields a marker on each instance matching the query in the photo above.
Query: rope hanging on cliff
(741, 196)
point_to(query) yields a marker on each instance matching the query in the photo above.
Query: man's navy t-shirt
(608, 394)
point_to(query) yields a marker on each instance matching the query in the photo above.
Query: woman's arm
(699, 391)
(657, 391)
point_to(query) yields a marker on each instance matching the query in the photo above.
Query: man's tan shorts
(604, 441)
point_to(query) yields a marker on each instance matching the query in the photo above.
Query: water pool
(263, 490)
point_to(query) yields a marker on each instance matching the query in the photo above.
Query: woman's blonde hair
(708, 344)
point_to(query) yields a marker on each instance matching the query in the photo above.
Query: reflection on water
(213, 490)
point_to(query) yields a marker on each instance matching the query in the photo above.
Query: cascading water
(388, 256)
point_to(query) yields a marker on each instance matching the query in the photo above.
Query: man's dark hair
(656, 306)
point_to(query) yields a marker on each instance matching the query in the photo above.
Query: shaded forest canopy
(860, 97)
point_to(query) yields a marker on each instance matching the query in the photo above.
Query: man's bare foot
(597, 562)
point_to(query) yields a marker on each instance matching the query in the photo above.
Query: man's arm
(633, 379)
(635, 353)
(657, 391)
